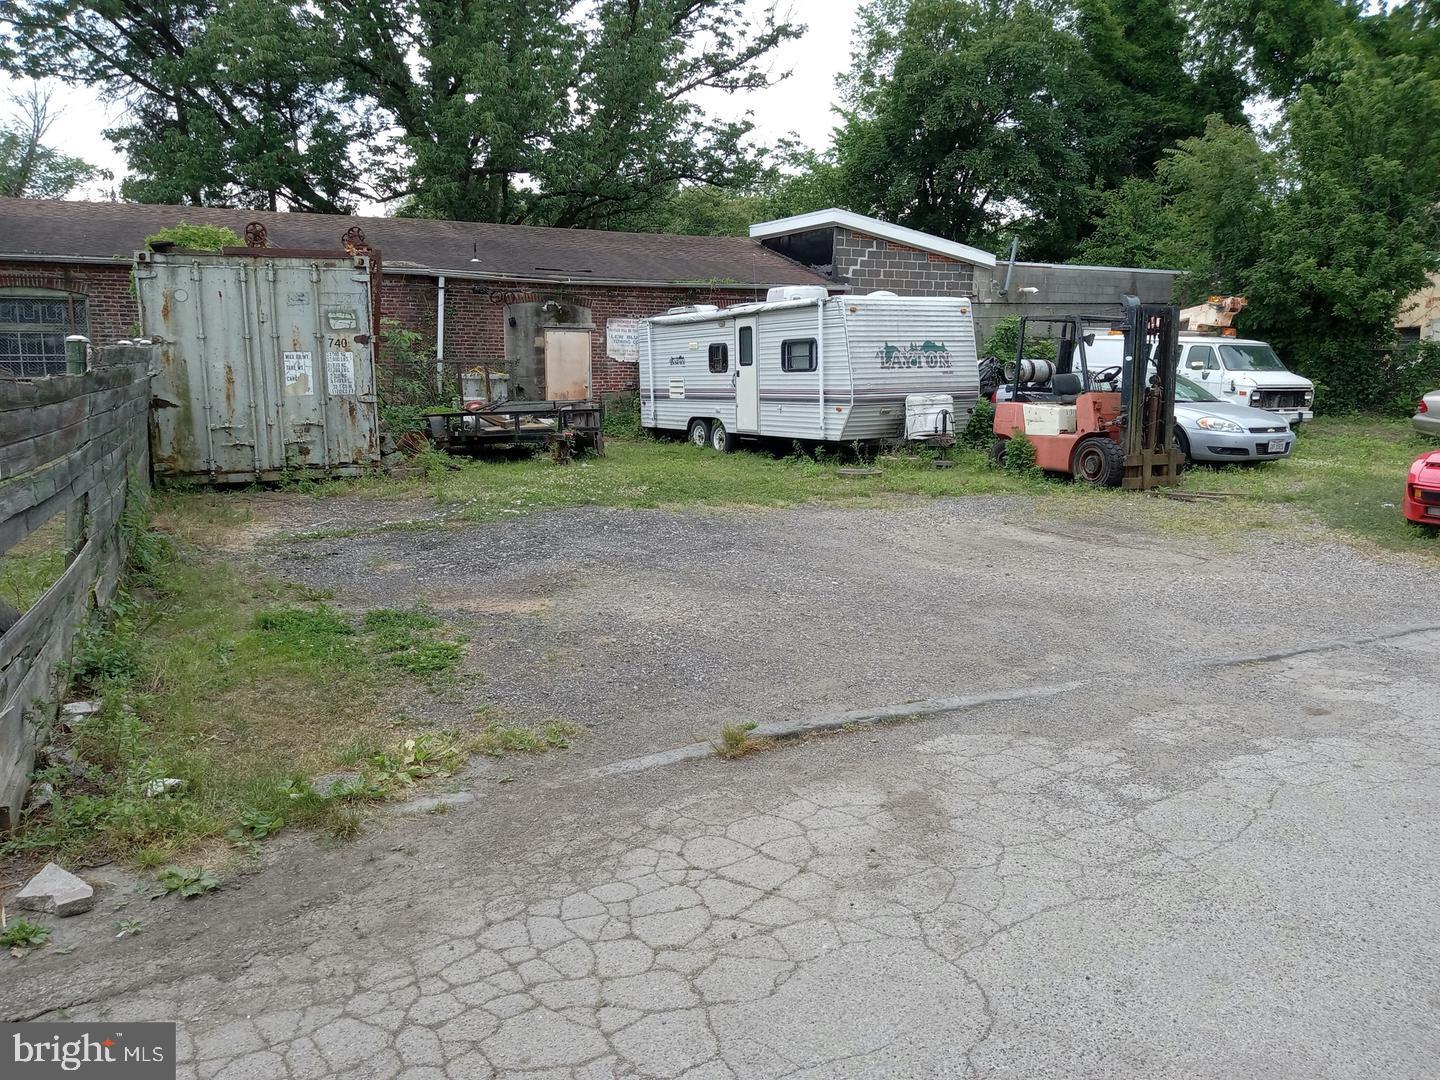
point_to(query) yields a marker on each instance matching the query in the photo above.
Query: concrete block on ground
(56, 890)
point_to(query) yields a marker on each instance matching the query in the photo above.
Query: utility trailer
(808, 366)
(561, 425)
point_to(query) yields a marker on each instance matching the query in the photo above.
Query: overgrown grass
(737, 740)
(1348, 473)
(34, 564)
(500, 737)
(240, 688)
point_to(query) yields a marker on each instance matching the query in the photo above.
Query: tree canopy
(29, 167)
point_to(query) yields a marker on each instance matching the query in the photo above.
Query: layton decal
(928, 354)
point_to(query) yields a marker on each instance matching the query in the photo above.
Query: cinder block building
(863, 254)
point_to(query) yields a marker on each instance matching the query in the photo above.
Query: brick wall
(868, 263)
(474, 310)
(111, 308)
(475, 315)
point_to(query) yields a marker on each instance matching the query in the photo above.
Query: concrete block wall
(868, 263)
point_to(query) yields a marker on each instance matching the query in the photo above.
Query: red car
(1422, 490)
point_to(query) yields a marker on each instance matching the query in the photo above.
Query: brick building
(476, 293)
(863, 254)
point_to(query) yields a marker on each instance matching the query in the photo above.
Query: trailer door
(747, 381)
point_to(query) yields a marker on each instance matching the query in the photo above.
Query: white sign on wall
(622, 340)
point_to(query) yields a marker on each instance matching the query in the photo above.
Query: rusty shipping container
(266, 364)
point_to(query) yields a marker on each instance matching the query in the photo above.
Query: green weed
(189, 882)
(500, 738)
(24, 934)
(737, 740)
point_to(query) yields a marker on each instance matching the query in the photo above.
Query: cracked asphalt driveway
(1173, 865)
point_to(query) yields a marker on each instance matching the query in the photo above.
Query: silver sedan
(1208, 429)
(1427, 414)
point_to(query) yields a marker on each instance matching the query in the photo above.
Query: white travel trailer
(809, 366)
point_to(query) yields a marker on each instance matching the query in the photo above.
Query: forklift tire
(997, 453)
(1182, 443)
(700, 433)
(1099, 462)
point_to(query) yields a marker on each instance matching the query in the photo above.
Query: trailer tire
(700, 433)
(720, 439)
(1099, 462)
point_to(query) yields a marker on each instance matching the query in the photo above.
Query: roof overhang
(468, 274)
(846, 219)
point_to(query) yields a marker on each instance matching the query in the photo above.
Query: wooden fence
(72, 445)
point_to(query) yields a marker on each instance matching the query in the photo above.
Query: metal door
(567, 365)
(747, 379)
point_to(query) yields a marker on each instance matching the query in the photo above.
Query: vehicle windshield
(1185, 390)
(1251, 358)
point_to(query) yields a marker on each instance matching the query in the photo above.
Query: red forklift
(1113, 427)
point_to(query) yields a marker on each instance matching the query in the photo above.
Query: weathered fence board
(69, 444)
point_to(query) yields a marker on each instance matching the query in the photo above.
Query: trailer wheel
(1099, 462)
(721, 439)
(700, 433)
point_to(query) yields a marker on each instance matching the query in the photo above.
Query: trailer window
(719, 358)
(747, 346)
(798, 355)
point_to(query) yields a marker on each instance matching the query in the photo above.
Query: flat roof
(846, 219)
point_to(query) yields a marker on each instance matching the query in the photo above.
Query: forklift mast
(1152, 338)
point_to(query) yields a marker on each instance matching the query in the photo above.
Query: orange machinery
(1113, 427)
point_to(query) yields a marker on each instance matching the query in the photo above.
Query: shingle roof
(105, 231)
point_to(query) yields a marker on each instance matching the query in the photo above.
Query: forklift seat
(1067, 386)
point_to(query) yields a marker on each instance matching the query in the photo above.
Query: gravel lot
(1206, 846)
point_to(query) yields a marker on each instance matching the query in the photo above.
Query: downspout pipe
(440, 334)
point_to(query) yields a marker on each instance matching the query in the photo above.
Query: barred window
(33, 329)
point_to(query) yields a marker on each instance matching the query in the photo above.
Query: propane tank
(1032, 371)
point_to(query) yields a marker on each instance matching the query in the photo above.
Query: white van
(1239, 370)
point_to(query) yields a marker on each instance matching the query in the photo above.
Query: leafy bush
(1019, 454)
(979, 429)
(1005, 338)
(190, 237)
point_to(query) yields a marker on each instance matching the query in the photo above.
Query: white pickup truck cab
(1247, 372)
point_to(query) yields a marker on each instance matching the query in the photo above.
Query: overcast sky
(801, 103)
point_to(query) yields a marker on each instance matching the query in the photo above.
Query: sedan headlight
(1220, 424)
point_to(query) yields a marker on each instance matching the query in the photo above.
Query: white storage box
(1049, 419)
(929, 416)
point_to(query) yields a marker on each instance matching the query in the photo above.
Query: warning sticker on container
(299, 378)
(340, 372)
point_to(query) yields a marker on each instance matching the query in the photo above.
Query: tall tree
(562, 112)
(961, 121)
(982, 118)
(29, 168)
(228, 101)
(1355, 231)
